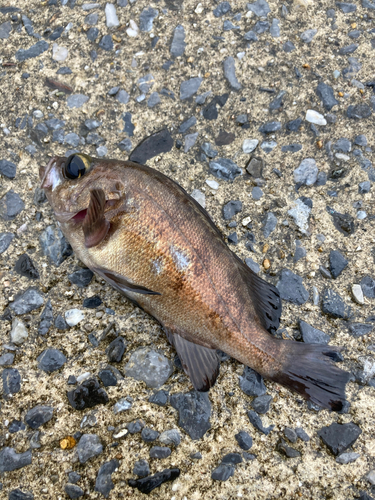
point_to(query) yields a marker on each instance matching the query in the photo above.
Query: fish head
(67, 183)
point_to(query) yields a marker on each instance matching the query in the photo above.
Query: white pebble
(74, 316)
(19, 332)
(111, 16)
(315, 117)
(358, 294)
(199, 9)
(59, 53)
(361, 215)
(341, 156)
(133, 30)
(246, 221)
(371, 477)
(241, 55)
(83, 377)
(212, 184)
(121, 434)
(38, 114)
(199, 197)
(249, 145)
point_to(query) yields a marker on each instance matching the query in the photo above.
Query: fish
(149, 239)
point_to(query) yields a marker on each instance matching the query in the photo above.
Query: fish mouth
(79, 217)
(49, 175)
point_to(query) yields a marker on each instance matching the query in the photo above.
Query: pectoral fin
(95, 226)
(121, 283)
(200, 363)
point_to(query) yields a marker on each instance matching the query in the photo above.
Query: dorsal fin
(265, 298)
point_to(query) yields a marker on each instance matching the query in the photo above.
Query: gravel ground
(268, 106)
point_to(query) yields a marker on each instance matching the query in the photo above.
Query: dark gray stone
(89, 446)
(312, 335)
(290, 434)
(74, 477)
(154, 145)
(51, 360)
(135, 427)
(115, 350)
(363, 188)
(342, 222)
(253, 265)
(349, 49)
(334, 306)
(18, 494)
(106, 43)
(11, 205)
(294, 125)
(194, 409)
(178, 42)
(25, 267)
(153, 100)
(5, 241)
(232, 458)
(209, 150)
(337, 263)
(82, 277)
(34, 51)
(147, 484)
(27, 301)
(359, 111)
(11, 460)
(141, 468)
(46, 319)
(54, 245)
(256, 421)
(244, 440)
(270, 127)
(286, 450)
(11, 381)
(223, 472)
(339, 437)
(6, 359)
(160, 452)
(251, 383)
(346, 8)
(160, 398)
(251, 36)
(189, 87)
(325, 93)
(125, 145)
(277, 103)
(302, 434)
(149, 435)
(60, 323)
(368, 287)
(146, 19)
(224, 168)
(8, 169)
(261, 404)
(5, 30)
(291, 148)
(360, 140)
(92, 34)
(255, 168)
(38, 416)
(288, 47)
(107, 377)
(269, 224)
(222, 9)
(308, 35)
(291, 288)
(76, 100)
(190, 122)
(360, 329)
(104, 483)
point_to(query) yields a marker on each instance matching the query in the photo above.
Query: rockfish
(143, 234)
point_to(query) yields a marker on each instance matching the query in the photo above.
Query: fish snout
(50, 175)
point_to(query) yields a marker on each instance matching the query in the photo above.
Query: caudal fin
(309, 370)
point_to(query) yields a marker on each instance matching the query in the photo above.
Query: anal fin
(200, 363)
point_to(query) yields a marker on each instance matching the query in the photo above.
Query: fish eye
(76, 166)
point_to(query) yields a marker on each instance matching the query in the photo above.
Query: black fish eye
(75, 167)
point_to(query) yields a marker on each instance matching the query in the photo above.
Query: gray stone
(160, 452)
(270, 127)
(27, 302)
(209, 150)
(343, 145)
(222, 9)
(92, 19)
(231, 209)
(6, 359)
(89, 446)
(244, 440)
(190, 140)
(76, 100)
(268, 146)
(261, 27)
(230, 73)
(288, 47)
(5, 30)
(18, 494)
(34, 51)
(228, 26)
(286, 450)
(260, 8)
(51, 360)
(73, 490)
(46, 319)
(11, 460)
(115, 350)
(8, 169)
(72, 139)
(275, 28)
(149, 435)
(11, 381)
(74, 477)
(349, 49)
(146, 19)
(194, 409)
(269, 224)
(253, 265)
(251, 36)
(256, 421)
(190, 122)
(300, 212)
(325, 93)
(359, 111)
(251, 383)
(189, 87)
(122, 96)
(277, 103)
(312, 335)
(347, 458)
(38, 416)
(337, 263)
(160, 398)
(11, 205)
(151, 367)
(306, 173)
(170, 437)
(82, 277)
(360, 140)
(346, 8)
(255, 168)
(290, 434)
(226, 169)
(256, 193)
(104, 483)
(308, 35)
(291, 148)
(54, 245)
(368, 287)
(352, 69)
(106, 43)
(141, 468)
(360, 329)
(178, 42)
(125, 145)
(339, 437)
(334, 306)
(5, 241)
(302, 434)
(122, 405)
(153, 100)
(92, 34)
(146, 83)
(291, 288)
(223, 472)
(261, 404)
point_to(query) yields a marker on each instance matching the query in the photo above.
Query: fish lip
(44, 172)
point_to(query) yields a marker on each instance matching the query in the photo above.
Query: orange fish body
(143, 234)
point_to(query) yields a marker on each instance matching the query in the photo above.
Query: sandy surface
(315, 474)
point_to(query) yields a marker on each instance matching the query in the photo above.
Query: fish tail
(308, 369)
